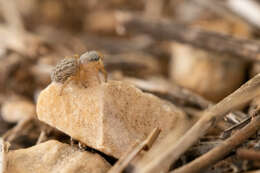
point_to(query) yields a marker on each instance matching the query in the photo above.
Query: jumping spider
(73, 68)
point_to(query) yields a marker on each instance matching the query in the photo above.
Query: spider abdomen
(63, 70)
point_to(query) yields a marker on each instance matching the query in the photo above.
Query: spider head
(91, 57)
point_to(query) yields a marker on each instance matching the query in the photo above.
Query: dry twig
(222, 150)
(248, 154)
(129, 156)
(241, 124)
(163, 155)
(42, 137)
(172, 31)
(11, 134)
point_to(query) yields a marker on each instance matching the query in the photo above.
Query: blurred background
(36, 34)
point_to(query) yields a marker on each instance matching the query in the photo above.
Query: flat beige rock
(52, 157)
(109, 117)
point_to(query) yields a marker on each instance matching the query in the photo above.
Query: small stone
(16, 109)
(53, 156)
(103, 21)
(212, 75)
(109, 117)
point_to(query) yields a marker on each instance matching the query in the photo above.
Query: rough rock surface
(53, 156)
(109, 117)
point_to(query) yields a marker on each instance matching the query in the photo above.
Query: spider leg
(98, 78)
(66, 83)
(104, 73)
(101, 68)
(80, 77)
(82, 83)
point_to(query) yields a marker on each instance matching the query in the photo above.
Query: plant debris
(129, 86)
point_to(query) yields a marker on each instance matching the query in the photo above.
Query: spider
(73, 68)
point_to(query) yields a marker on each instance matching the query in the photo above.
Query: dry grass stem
(131, 154)
(11, 134)
(222, 150)
(172, 31)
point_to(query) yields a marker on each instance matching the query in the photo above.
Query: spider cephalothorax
(71, 68)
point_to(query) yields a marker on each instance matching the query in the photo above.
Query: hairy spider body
(71, 68)
(66, 68)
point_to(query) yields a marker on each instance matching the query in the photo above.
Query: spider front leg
(101, 68)
(81, 77)
(83, 84)
(66, 83)
(97, 74)
(104, 73)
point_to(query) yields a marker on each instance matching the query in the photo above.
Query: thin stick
(228, 131)
(172, 31)
(42, 137)
(255, 171)
(222, 150)
(248, 154)
(160, 158)
(128, 157)
(11, 134)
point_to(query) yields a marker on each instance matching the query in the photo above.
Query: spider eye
(91, 56)
(94, 58)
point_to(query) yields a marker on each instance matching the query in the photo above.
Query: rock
(207, 73)
(16, 109)
(101, 21)
(109, 117)
(53, 156)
